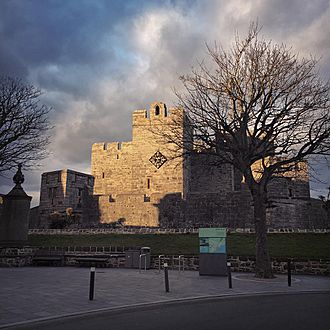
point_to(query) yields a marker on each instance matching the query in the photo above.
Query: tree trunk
(263, 264)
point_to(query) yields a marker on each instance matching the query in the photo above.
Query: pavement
(31, 294)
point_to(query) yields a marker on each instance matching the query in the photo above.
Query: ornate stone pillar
(14, 222)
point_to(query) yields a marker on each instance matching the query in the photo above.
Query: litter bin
(132, 258)
(145, 261)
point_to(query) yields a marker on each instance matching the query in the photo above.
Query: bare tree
(259, 108)
(23, 124)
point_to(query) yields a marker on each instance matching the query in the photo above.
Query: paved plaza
(35, 293)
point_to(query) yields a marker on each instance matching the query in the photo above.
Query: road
(270, 312)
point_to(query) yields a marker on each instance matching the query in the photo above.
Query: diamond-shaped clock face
(158, 159)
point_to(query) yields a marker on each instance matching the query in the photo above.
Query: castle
(139, 183)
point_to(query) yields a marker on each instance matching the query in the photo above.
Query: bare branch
(23, 124)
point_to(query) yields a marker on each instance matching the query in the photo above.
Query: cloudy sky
(98, 60)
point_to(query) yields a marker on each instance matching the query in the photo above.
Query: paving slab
(32, 293)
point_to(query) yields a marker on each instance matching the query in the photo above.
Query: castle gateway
(140, 183)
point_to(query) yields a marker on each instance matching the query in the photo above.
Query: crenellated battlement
(158, 115)
(110, 146)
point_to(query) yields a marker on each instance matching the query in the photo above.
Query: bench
(97, 260)
(47, 257)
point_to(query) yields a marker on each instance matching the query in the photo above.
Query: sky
(96, 61)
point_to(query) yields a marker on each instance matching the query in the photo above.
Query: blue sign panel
(212, 240)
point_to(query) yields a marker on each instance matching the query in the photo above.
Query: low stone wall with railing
(19, 257)
(145, 230)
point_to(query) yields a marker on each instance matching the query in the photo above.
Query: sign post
(212, 251)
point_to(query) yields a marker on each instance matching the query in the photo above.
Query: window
(90, 181)
(146, 198)
(111, 199)
(157, 110)
(52, 194)
(290, 192)
(103, 176)
(237, 179)
(148, 183)
(119, 146)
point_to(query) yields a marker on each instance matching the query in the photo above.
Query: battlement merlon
(158, 114)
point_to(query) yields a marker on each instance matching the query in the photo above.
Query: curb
(154, 304)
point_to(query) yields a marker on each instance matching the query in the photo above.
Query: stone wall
(34, 219)
(319, 218)
(205, 177)
(16, 257)
(131, 209)
(19, 257)
(299, 266)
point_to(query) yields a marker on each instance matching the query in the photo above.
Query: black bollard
(229, 275)
(289, 272)
(91, 283)
(167, 286)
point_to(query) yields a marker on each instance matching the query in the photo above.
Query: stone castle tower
(62, 190)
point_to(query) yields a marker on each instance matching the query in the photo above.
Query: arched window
(157, 110)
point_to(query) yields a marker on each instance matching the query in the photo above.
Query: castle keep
(131, 178)
(140, 183)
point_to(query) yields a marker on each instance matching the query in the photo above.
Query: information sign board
(212, 248)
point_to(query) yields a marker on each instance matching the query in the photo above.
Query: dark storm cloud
(97, 61)
(58, 39)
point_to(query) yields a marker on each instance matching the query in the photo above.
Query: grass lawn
(305, 245)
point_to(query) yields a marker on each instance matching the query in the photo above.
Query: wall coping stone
(145, 230)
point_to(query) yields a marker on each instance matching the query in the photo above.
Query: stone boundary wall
(19, 257)
(247, 264)
(146, 230)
